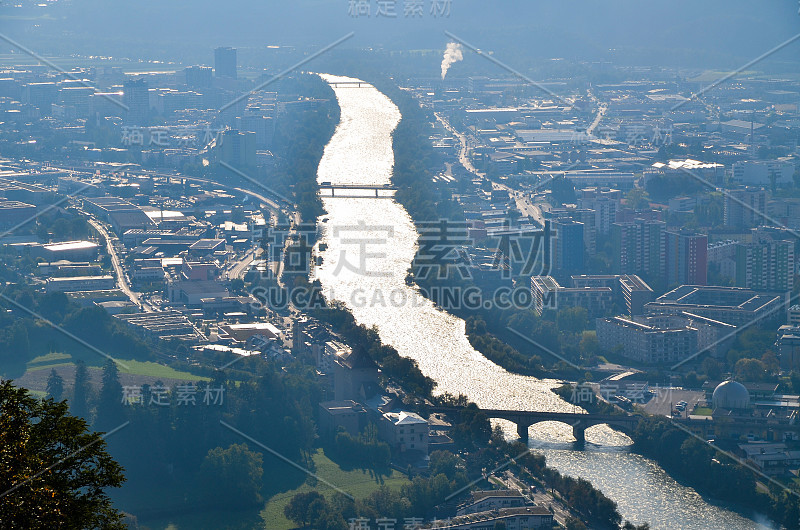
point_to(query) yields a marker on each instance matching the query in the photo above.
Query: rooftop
(70, 245)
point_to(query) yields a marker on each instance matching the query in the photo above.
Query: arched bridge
(579, 421)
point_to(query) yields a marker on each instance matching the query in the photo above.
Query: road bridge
(350, 84)
(364, 187)
(579, 421)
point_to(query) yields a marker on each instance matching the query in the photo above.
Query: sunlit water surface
(370, 244)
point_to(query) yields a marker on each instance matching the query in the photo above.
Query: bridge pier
(522, 431)
(579, 432)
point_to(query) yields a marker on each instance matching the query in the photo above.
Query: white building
(404, 431)
(80, 283)
(763, 172)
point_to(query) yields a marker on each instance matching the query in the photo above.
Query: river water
(369, 246)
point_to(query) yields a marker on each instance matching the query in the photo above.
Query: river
(369, 246)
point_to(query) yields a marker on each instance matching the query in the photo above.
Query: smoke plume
(451, 55)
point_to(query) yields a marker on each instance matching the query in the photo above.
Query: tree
(574, 319)
(20, 343)
(232, 477)
(750, 370)
(299, 507)
(637, 199)
(446, 463)
(574, 524)
(712, 368)
(237, 285)
(110, 410)
(55, 385)
(53, 470)
(81, 391)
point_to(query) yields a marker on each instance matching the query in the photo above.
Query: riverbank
(714, 472)
(362, 152)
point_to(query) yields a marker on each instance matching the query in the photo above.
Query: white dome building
(730, 395)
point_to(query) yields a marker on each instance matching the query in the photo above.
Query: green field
(125, 366)
(357, 483)
(158, 370)
(130, 367)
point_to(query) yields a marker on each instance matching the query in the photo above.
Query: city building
(656, 339)
(710, 172)
(345, 414)
(121, 214)
(206, 247)
(568, 248)
(355, 376)
(744, 207)
(721, 256)
(225, 62)
(629, 290)
(581, 215)
(771, 459)
(136, 97)
(763, 172)
(238, 149)
(794, 315)
(732, 305)
(601, 178)
(788, 346)
(484, 501)
(165, 325)
(765, 264)
(244, 332)
(635, 293)
(639, 247)
(404, 431)
(686, 258)
(262, 126)
(604, 202)
(523, 518)
(13, 213)
(192, 292)
(548, 294)
(199, 77)
(644, 343)
(69, 250)
(80, 283)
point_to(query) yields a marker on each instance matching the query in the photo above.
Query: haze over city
(400, 264)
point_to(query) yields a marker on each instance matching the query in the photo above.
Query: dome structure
(730, 395)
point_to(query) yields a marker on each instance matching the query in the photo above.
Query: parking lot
(666, 398)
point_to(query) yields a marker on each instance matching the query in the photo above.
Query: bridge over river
(377, 188)
(579, 421)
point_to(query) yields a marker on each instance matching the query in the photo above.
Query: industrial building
(68, 250)
(80, 283)
(13, 213)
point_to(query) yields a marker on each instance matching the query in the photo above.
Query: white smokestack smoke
(451, 55)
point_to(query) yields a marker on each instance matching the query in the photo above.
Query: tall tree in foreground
(53, 470)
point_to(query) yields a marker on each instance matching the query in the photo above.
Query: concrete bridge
(366, 187)
(579, 422)
(351, 84)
